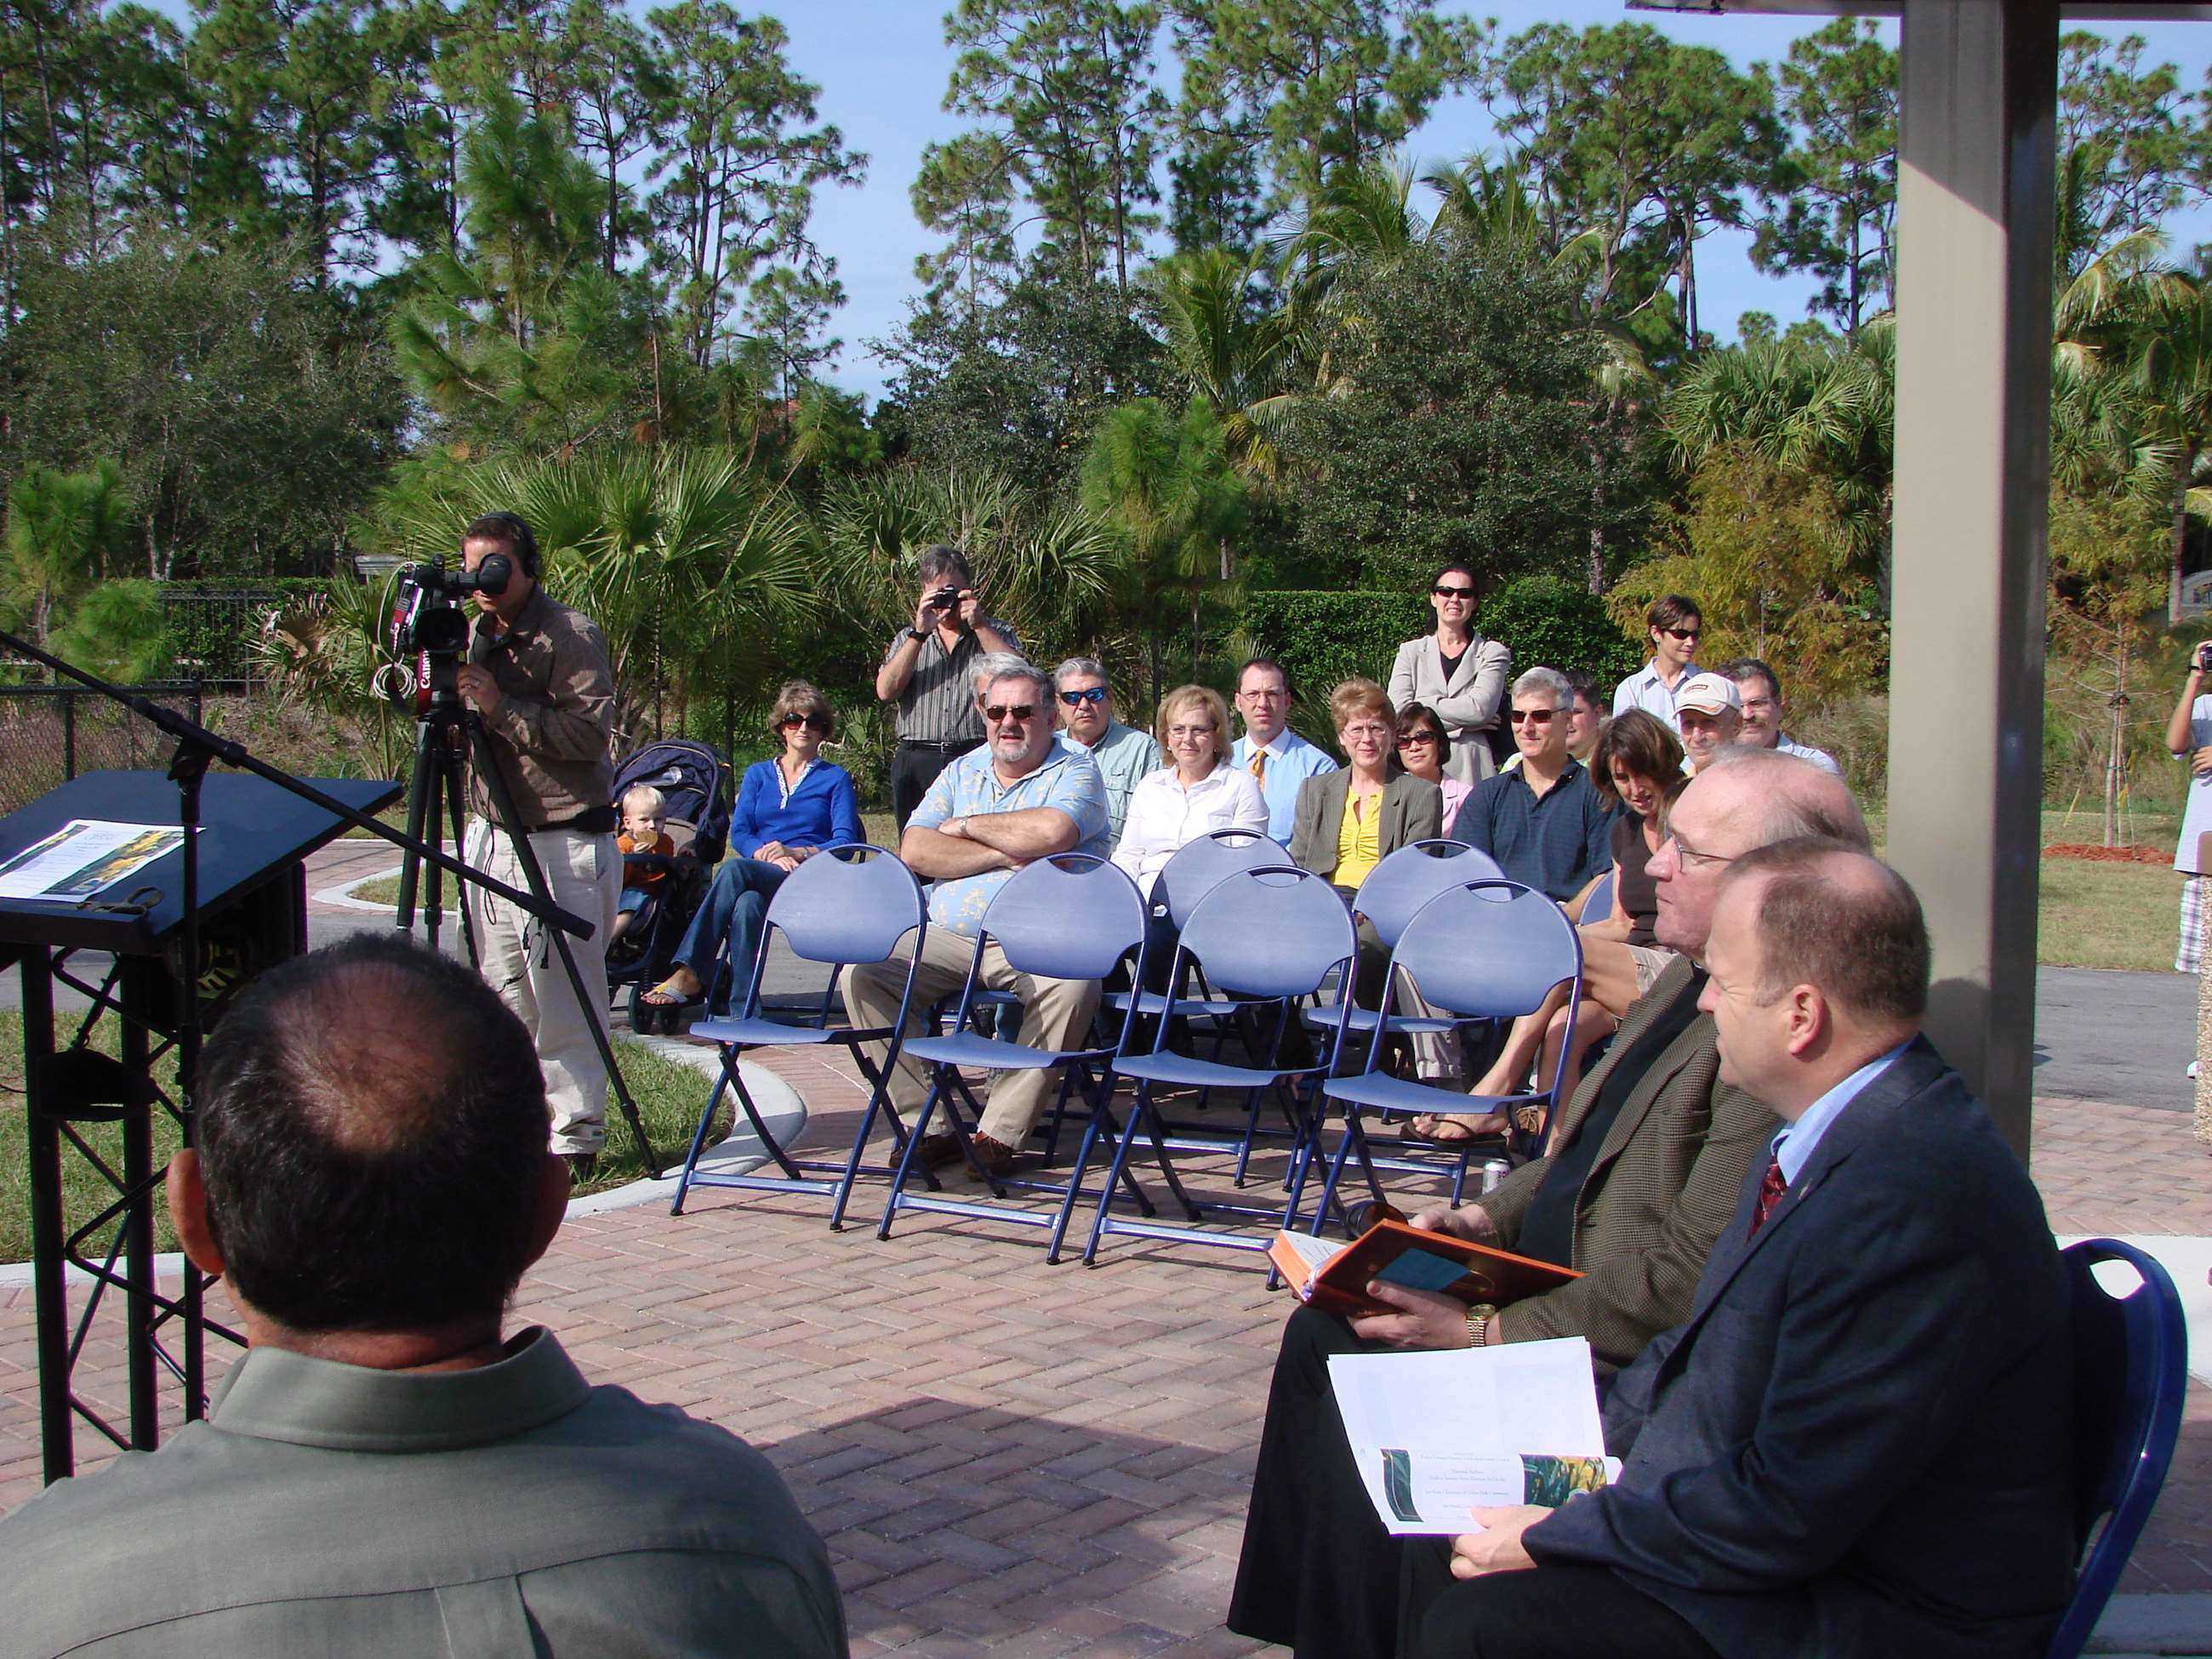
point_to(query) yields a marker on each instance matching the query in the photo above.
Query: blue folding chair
(1270, 936)
(1196, 869)
(1072, 916)
(1393, 894)
(2131, 1375)
(1599, 905)
(848, 904)
(1483, 949)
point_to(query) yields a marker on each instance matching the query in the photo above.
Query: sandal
(661, 1009)
(1490, 1127)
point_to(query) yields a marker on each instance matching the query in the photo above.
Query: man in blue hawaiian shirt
(1021, 796)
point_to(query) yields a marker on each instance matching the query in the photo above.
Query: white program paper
(84, 856)
(1436, 1435)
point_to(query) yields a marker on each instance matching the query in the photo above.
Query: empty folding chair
(1272, 936)
(1392, 893)
(844, 906)
(1487, 949)
(1070, 917)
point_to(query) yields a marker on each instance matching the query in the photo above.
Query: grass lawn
(668, 1094)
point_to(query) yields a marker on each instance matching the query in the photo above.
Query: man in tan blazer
(1641, 1170)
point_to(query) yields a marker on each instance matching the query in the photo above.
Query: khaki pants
(1055, 1014)
(517, 957)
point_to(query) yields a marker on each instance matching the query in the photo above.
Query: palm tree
(1166, 485)
(61, 528)
(1237, 346)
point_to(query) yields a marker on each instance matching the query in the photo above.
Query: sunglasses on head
(1534, 716)
(1009, 711)
(1444, 592)
(811, 722)
(1089, 694)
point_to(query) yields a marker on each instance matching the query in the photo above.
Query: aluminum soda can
(1494, 1169)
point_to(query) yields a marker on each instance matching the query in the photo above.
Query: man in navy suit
(1860, 1442)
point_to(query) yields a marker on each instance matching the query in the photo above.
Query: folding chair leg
(1120, 1166)
(698, 1143)
(908, 1152)
(752, 1116)
(1102, 1118)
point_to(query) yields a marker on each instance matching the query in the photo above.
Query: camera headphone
(514, 529)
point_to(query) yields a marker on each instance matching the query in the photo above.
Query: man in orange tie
(1277, 756)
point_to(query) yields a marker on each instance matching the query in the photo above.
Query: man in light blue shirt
(1279, 757)
(1676, 623)
(1124, 754)
(1022, 796)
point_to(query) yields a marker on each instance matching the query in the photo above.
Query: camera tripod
(448, 736)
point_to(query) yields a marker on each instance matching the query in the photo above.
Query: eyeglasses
(1264, 696)
(1089, 694)
(1416, 740)
(1690, 858)
(1444, 592)
(1009, 711)
(1681, 633)
(1534, 716)
(811, 722)
(1186, 733)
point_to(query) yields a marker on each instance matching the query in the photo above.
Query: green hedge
(1320, 638)
(1558, 624)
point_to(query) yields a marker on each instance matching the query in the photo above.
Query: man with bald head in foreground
(1859, 1442)
(382, 1473)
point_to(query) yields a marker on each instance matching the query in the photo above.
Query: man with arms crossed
(1638, 1177)
(1278, 758)
(1022, 796)
(1860, 1441)
(383, 1473)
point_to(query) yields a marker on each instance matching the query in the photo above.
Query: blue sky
(882, 66)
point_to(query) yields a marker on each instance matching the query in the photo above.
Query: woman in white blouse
(1199, 793)
(1459, 674)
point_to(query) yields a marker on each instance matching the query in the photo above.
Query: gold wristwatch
(1478, 1323)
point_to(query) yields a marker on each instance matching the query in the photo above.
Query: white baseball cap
(1709, 693)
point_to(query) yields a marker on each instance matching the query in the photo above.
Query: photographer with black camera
(925, 673)
(538, 679)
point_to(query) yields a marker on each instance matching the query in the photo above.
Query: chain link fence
(51, 733)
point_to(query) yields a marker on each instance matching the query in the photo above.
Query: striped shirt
(938, 704)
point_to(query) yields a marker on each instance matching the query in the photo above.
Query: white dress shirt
(1165, 813)
(1644, 690)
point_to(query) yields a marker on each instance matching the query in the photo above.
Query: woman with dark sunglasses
(789, 809)
(1458, 674)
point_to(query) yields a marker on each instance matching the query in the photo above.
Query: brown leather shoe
(996, 1157)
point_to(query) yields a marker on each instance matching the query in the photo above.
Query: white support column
(1973, 462)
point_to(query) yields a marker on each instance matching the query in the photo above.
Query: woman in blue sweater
(789, 809)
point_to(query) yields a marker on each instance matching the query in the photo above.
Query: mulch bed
(2096, 855)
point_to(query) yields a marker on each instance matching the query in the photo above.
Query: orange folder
(1333, 1276)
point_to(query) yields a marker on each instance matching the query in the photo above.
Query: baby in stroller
(645, 850)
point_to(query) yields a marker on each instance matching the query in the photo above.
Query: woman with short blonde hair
(1195, 793)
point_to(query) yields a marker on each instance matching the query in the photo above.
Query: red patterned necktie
(1771, 1189)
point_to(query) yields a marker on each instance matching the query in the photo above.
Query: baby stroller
(695, 780)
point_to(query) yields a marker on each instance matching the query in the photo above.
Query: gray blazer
(1468, 703)
(1413, 809)
(1860, 1441)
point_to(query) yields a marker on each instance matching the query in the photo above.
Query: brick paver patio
(1012, 1459)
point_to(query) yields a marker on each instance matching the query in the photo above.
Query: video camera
(429, 624)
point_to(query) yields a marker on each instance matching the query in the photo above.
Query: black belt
(592, 820)
(955, 743)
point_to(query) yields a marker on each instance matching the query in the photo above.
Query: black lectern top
(250, 828)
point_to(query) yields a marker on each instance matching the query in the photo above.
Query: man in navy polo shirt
(1543, 821)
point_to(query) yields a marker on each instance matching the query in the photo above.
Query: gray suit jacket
(1663, 1185)
(1413, 809)
(1467, 700)
(1859, 1444)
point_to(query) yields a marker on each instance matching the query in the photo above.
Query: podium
(253, 912)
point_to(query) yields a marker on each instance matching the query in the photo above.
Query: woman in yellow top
(1349, 821)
